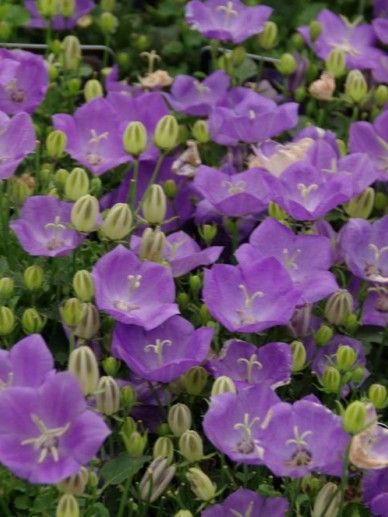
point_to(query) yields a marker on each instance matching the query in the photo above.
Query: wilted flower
(323, 88)
(157, 79)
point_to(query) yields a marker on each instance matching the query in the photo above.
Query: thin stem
(124, 497)
(153, 178)
(133, 185)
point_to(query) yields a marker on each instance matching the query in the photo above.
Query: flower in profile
(43, 228)
(375, 491)
(250, 297)
(28, 363)
(47, 433)
(59, 21)
(134, 292)
(226, 20)
(246, 502)
(164, 353)
(92, 136)
(23, 81)
(17, 140)
(247, 364)
(296, 439)
(235, 422)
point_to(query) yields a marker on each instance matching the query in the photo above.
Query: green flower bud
(201, 484)
(323, 335)
(195, 380)
(166, 133)
(71, 312)
(338, 307)
(56, 142)
(275, 211)
(83, 365)
(83, 285)
(53, 72)
(95, 186)
(84, 213)
(335, 63)
(77, 184)
(300, 94)
(356, 87)
(5, 30)
(128, 427)
(238, 56)
(93, 89)
(156, 479)
(355, 417)
(18, 190)
(286, 64)
(108, 5)
(152, 245)
(328, 501)
(118, 223)
(345, 357)
(183, 513)
(127, 397)
(315, 29)
(191, 446)
(179, 418)
(297, 41)
(163, 448)
(362, 205)
(71, 52)
(298, 356)
(154, 205)
(205, 314)
(7, 320)
(135, 138)
(208, 232)
(331, 380)
(377, 394)
(33, 278)
(200, 131)
(108, 23)
(381, 201)
(6, 288)
(89, 325)
(32, 321)
(358, 375)
(195, 283)
(74, 85)
(381, 95)
(76, 484)
(268, 35)
(60, 178)
(107, 396)
(111, 366)
(170, 189)
(183, 299)
(351, 323)
(223, 384)
(135, 444)
(47, 8)
(66, 8)
(67, 506)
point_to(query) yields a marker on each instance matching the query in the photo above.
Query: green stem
(153, 178)
(124, 498)
(133, 185)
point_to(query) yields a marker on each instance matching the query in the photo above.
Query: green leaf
(121, 468)
(97, 510)
(247, 69)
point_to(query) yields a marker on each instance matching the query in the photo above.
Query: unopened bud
(56, 142)
(298, 356)
(208, 232)
(83, 285)
(381, 95)
(195, 283)
(195, 380)
(223, 384)
(183, 299)
(135, 444)
(362, 205)
(191, 446)
(135, 138)
(170, 188)
(356, 87)
(358, 375)
(201, 484)
(331, 380)
(7, 320)
(200, 131)
(286, 64)
(111, 366)
(67, 506)
(107, 396)
(77, 184)
(323, 335)
(108, 23)
(118, 223)
(154, 205)
(183, 513)
(275, 211)
(156, 479)
(95, 186)
(381, 201)
(93, 89)
(355, 417)
(328, 501)
(163, 448)
(47, 8)
(32, 321)
(345, 356)
(71, 52)
(127, 397)
(33, 278)
(268, 35)
(179, 418)
(377, 394)
(75, 484)
(83, 365)
(6, 288)
(71, 312)
(338, 307)
(84, 213)
(89, 325)
(315, 29)
(166, 133)
(60, 179)
(152, 245)
(335, 63)
(67, 8)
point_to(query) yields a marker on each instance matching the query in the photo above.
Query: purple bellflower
(17, 140)
(58, 22)
(375, 491)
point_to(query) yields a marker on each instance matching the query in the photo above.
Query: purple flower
(134, 292)
(17, 140)
(93, 138)
(28, 363)
(193, 97)
(226, 20)
(43, 228)
(47, 434)
(247, 364)
(372, 139)
(307, 258)
(246, 116)
(23, 81)
(375, 491)
(248, 503)
(58, 22)
(234, 422)
(303, 437)
(250, 297)
(375, 307)
(233, 195)
(164, 353)
(380, 27)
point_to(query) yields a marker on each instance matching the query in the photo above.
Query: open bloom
(375, 491)
(375, 307)
(134, 292)
(17, 140)
(226, 20)
(59, 22)
(47, 434)
(43, 228)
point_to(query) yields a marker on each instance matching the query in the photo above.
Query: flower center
(250, 365)
(47, 441)
(290, 260)
(134, 282)
(247, 444)
(15, 93)
(157, 348)
(228, 10)
(94, 157)
(346, 47)
(306, 190)
(302, 456)
(8, 383)
(246, 316)
(247, 513)
(57, 229)
(234, 188)
(200, 87)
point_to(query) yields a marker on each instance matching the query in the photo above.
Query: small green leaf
(121, 468)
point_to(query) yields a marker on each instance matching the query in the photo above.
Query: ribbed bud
(268, 35)
(156, 479)
(354, 418)
(111, 366)
(381, 95)
(71, 52)
(335, 63)
(208, 232)
(166, 133)
(328, 501)
(84, 213)
(95, 186)
(163, 448)
(89, 325)
(118, 223)
(152, 245)
(47, 8)
(201, 484)
(60, 179)
(331, 380)
(338, 307)
(128, 427)
(179, 418)
(191, 446)
(362, 205)
(77, 184)
(56, 142)
(356, 87)
(71, 312)
(183, 513)
(200, 131)
(66, 8)
(83, 285)
(170, 188)
(83, 365)
(286, 64)
(377, 394)
(108, 23)
(75, 484)
(154, 205)
(135, 138)
(7, 320)
(345, 357)
(223, 384)
(32, 321)
(315, 29)
(127, 397)
(93, 89)
(298, 356)
(7, 286)
(67, 506)
(107, 396)
(33, 278)
(195, 379)
(323, 335)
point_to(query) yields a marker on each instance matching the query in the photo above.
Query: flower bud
(108, 5)
(83, 285)
(93, 89)
(201, 484)
(127, 397)
(166, 133)
(77, 184)
(107, 396)
(286, 64)
(111, 366)
(163, 448)
(73, 86)
(152, 245)
(195, 283)
(6, 288)
(47, 8)
(118, 223)
(268, 35)
(356, 88)
(83, 365)
(315, 29)
(67, 8)
(323, 335)
(179, 418)
(223, 384)
(67, 507)
(381, 201)
(191, 446)
(32, 321)
(128, 427)
(154, 205)
(71, 52)
(275, 211)
(331, 380)
(18, 190)
(345, 357)
(84, 213)
(183, 299)
(89, 325)
(33, 278)
(328, 501)
(358, 375)
(108, 23)
(381, 95)
(298, 356)
(135, 138)
(299, 93)
(208, 232)
(60, 178)
(76, 484)
(377, 394)
(56, 142)
(335, 63)
(355, 417)
(338, 307)
(95, 186)
(297, 41)
(362, 205)
(183, 513)
(156, 479)
(195, 380)
(7, 320)
(170, 188)
(71, 312)
(200, 131)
